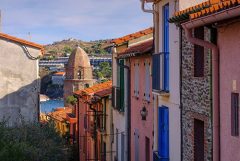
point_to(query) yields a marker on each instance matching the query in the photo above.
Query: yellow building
(59, 118)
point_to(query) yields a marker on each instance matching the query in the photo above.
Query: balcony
(160, 72)
(156, 157)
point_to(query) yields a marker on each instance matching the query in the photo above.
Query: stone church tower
(78, 72)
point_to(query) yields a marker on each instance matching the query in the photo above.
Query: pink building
(139, 56)
(222, 18)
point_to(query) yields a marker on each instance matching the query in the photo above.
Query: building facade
(221, 18)
(19, 79)
(121, 95)
(93, 122)
(140, 58)
(58, 78)
(166, 81)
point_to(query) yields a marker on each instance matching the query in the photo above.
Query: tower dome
(78, 72)
(78, 58)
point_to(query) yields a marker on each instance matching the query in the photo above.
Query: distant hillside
(64, 47)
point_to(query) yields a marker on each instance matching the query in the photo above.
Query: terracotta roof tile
(204, 9)
(135, 35)
(59, 73)
(60, 114)
(139, 48)
(95, 88)
(104, 92)
(21, 41)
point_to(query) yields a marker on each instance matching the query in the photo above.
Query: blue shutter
(156, 72)
(166, 47)
(163, 133)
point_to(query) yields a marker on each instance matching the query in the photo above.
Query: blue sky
(54, 20)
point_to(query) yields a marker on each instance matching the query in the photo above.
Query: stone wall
(196, 100)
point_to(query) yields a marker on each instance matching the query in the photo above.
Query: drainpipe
(215, 71)
(128, 113)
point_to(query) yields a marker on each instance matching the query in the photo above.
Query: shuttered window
(199, 53)
(121, 61)
(147, 80)
(234, 114)
(156, 72)
(122, 146)
(198, 140)
(136, 78)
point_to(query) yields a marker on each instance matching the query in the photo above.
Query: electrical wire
(26, 51)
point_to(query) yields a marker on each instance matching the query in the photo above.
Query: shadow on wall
(22, 104)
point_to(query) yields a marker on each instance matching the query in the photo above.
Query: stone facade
(196, 100)
(78, 72)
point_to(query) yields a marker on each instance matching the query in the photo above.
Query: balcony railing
(160, 74)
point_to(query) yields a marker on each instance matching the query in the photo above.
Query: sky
(49, 21)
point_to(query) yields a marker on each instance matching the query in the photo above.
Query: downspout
(215, 77)
(128, 115)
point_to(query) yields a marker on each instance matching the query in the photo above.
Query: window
(147, 80)
(199, 54)
(160, 72)
(121, 72)
(198, 140)
(136, 78)
(234, 114)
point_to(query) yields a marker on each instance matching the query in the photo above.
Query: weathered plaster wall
(19, 85)
(196, 100)
(229, 47)
(144, 127)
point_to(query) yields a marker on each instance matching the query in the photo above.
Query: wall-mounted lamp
(144, 113)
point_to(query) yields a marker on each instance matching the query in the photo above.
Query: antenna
(29, 36)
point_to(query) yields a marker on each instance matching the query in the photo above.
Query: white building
(58, 78)
(19, 79)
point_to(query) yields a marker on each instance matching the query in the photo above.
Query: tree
(32, 142)
(71, 100)
(67, 49)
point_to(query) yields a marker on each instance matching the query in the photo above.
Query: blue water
(50, 105)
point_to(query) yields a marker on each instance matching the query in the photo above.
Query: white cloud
(88, 19)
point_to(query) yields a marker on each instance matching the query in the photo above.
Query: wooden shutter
(117, 144)
(136, 144)
(199, 53)
(147, 80)
(121, 86)
(135, 79)
(198, 140)
(234, 114)
(156, 72)
(122, 146)
(138, 78)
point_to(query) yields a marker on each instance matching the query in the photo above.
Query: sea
(50, 105)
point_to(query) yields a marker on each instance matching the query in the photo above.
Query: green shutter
(121, 61)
